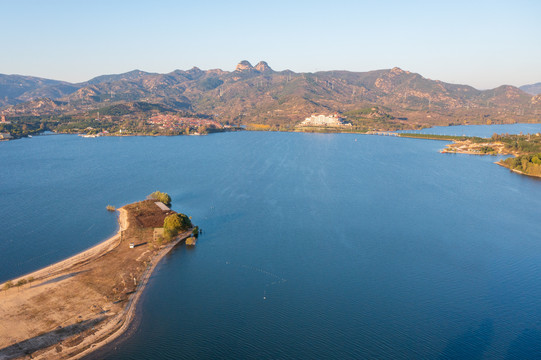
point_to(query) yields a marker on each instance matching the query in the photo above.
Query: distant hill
(258, 94)
(534, 89)
(134, 74)
(15, 89)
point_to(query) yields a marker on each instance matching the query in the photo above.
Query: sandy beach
(93, 252)
(468, 147)
(78, 305)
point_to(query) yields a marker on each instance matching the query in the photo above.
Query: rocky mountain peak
(244, 65)
(262, 66)
(397, 71)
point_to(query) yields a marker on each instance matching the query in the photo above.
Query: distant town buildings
(5, 136)
(175, 122)
(324, 120)
(3, 120)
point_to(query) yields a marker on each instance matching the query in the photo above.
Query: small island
(71, 308)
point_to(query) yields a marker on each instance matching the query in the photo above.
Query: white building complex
(324, 120)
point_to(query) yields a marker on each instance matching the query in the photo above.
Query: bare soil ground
(72, 306)
(468, 147)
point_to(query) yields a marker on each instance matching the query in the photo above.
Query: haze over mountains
(258, 94)
(533, 89)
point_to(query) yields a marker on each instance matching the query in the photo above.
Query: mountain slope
(15, 89)
(258, 94)
(130, 75)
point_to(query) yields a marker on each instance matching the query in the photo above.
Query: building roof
(162, 206)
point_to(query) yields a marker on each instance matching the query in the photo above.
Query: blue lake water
(481, 130)
(314, 245)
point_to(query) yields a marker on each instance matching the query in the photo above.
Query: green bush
(528, 164)
(8, 285)
(175, 223)
(160, 196)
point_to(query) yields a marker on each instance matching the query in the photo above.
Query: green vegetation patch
(210, 83)
(161, 196)
(441, 137)
(521, 143)
(529, 164)
(18, 130)
(175, 223)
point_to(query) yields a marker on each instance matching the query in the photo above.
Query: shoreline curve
(106, 320)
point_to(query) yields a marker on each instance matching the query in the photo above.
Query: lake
(313, 245)
(480, 130)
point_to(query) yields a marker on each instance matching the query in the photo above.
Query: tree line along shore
(525, 148)
(71, 308)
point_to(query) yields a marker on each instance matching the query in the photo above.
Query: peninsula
(525, 148)
(71, 308)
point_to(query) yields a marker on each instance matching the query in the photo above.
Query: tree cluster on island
(529, 164)
(161, 196)
(175, 223)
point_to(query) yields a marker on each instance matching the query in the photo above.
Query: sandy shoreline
(85, 255)
(80, 304)
(129, 313)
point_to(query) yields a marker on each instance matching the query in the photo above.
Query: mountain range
(258, 94)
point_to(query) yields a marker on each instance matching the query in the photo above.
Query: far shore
(71, 308)
(516, 171)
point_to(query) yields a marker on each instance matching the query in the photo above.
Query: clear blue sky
(480, 43)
